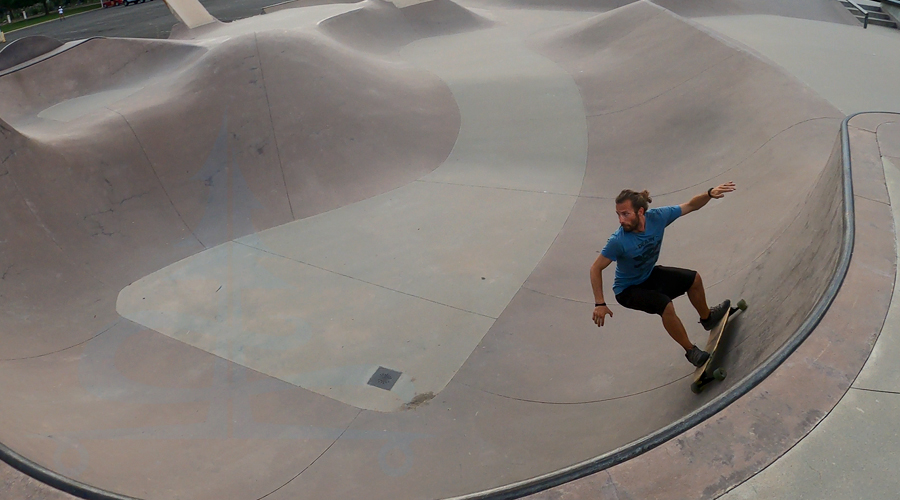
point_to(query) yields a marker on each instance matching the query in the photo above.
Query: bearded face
(628, 218)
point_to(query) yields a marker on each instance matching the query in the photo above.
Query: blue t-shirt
(636, 253)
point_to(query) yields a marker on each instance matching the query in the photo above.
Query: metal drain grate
(384, 378)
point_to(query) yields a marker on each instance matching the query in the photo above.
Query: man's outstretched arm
(597, 268)
(699, 201)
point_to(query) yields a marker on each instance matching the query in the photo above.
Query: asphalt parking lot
(144, 20)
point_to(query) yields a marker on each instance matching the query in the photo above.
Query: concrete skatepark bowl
(341, 250)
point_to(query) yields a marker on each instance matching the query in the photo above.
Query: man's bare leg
(675, 328)
(697, 295)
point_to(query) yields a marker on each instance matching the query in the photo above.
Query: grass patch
(52, 16)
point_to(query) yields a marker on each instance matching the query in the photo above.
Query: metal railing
(863, 10)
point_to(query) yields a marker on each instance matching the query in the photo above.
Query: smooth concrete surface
(284, 190)
(853, 68)
(519, 186)
(73, 109)
(854, 452)
(880, 372)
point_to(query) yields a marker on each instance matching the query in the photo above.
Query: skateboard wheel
(696, 388)
(742, 305)
(720, 374)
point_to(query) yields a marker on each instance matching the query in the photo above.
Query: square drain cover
(384, 378)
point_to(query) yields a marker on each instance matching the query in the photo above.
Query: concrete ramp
(191, 13)
(377, 25)
(296, 4)
(816, 10)
(25, 49)
(285, 260)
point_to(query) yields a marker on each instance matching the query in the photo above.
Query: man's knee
(698, 281)
(668, 311)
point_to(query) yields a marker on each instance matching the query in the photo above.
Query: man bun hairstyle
(638, 200)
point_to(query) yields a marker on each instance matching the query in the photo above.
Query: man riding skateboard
(641, 284)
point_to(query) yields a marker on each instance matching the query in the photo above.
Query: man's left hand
(720, 190)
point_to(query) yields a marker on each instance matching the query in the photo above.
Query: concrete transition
(190, 13)
(341, 250)
(26, 49)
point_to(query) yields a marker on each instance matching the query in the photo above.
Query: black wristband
(600, 304)
(709, 192)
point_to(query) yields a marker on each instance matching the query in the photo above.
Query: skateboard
(705, 373)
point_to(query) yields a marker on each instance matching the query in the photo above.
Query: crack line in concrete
(364, 281)
(876, 391)
(567, 403)
(272, 123)
(498, 188)
(36, 356)
(316, 459)
(156, 175)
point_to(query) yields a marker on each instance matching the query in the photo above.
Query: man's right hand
(600, 313)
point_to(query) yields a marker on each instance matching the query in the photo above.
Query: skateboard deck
(705, 373)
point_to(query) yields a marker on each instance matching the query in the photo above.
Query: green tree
(10, 6)
(30, 3)
(6, 7)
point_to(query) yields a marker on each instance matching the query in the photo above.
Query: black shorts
(653, 295)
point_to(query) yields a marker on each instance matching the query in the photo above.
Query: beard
(630, 227)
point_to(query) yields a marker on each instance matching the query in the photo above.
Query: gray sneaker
(697, 356)
(715, 314)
